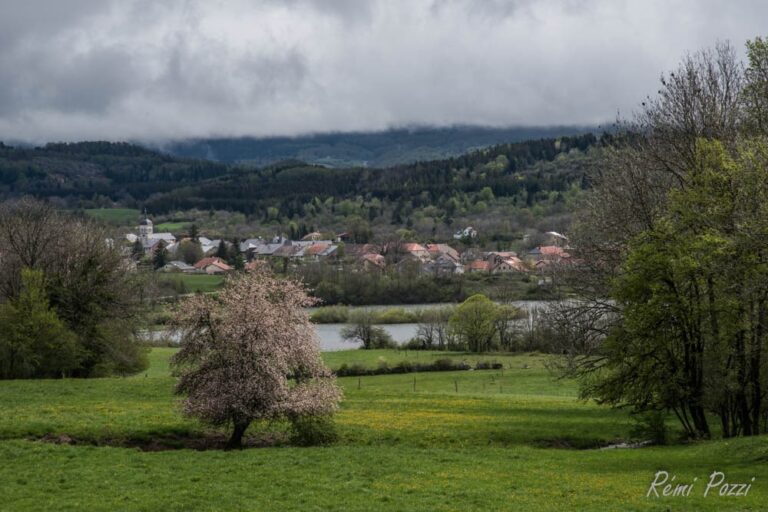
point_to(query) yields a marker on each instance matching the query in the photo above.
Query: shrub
(396, 316)
(650, 425)
(383, 368)
(313, 431)
(403, 367)
(488, 365)
(330, 315)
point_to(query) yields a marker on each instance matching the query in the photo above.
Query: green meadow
(118, 216)
(511, 439)
(193, 283)
(173, 227)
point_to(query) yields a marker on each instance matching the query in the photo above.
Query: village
(219, 256)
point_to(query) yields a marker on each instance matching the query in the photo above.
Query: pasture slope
(471, 440)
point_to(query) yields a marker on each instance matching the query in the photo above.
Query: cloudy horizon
(161, 70)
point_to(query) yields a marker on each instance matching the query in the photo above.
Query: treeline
(119, 172)
(371, 149)
(334, 286)
(290, 188)
(134, 176)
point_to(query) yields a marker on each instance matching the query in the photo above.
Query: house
(548, 252)
(436, 250)
(250, 243)
(212, 266)
(504, 262)
(478, 266)
(312, 237)
(509, 265)
(210, 246)
(343, 237)
(357, 251)
(443, 265)
(372, 262)
(497, 257)
(319, 250)
(178, 266)
(467, 233)
(415, 250)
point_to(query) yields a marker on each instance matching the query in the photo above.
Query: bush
(313, 431)
(403, 367)
(651, 426)
(383, 368)
(353, 370)
(396, 316)
(363, 330)
(488, 365)
(330, 315)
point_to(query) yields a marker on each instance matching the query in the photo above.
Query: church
(150, 240)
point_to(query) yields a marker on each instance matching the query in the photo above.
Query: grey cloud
(89, 82)
(158, 69)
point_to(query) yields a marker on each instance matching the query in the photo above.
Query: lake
(330, 334)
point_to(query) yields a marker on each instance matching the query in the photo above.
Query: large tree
(671, 305)
(251, 354)
(34, 342)
(87, 282)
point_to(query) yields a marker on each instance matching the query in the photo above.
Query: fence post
(358, 383)
(414, 383)
(456, 384)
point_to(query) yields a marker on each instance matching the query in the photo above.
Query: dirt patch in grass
(199, 442)
(572, 443)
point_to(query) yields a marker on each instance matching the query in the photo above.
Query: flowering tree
(251, 354)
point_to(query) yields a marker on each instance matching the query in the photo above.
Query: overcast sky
(155, 69)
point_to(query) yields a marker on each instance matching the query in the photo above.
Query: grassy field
(472, 440)
(197, 282)
(118, 216)
(173, 227)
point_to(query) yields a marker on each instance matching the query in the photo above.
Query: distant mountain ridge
(364, 149)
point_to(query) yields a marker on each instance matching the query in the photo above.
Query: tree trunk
(236, 441)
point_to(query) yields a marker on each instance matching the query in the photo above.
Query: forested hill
(86, 170)
(371, 149)
(502, 182)
(518, 169)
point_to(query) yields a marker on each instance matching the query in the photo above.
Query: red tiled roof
(479, 265)
(210, 261)
(315, 249)
(413, 247)
(550, 250)
(375, 259)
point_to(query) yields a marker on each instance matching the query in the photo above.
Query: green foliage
(362, 329)
(692, 292)
(313, 431)
(86, 283)
(189, 251)
(160, 257)
(333, 286)
(651, 426)
(474, 321)
(34, 342)
(330, 315)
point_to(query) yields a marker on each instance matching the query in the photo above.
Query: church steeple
(145, 228)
